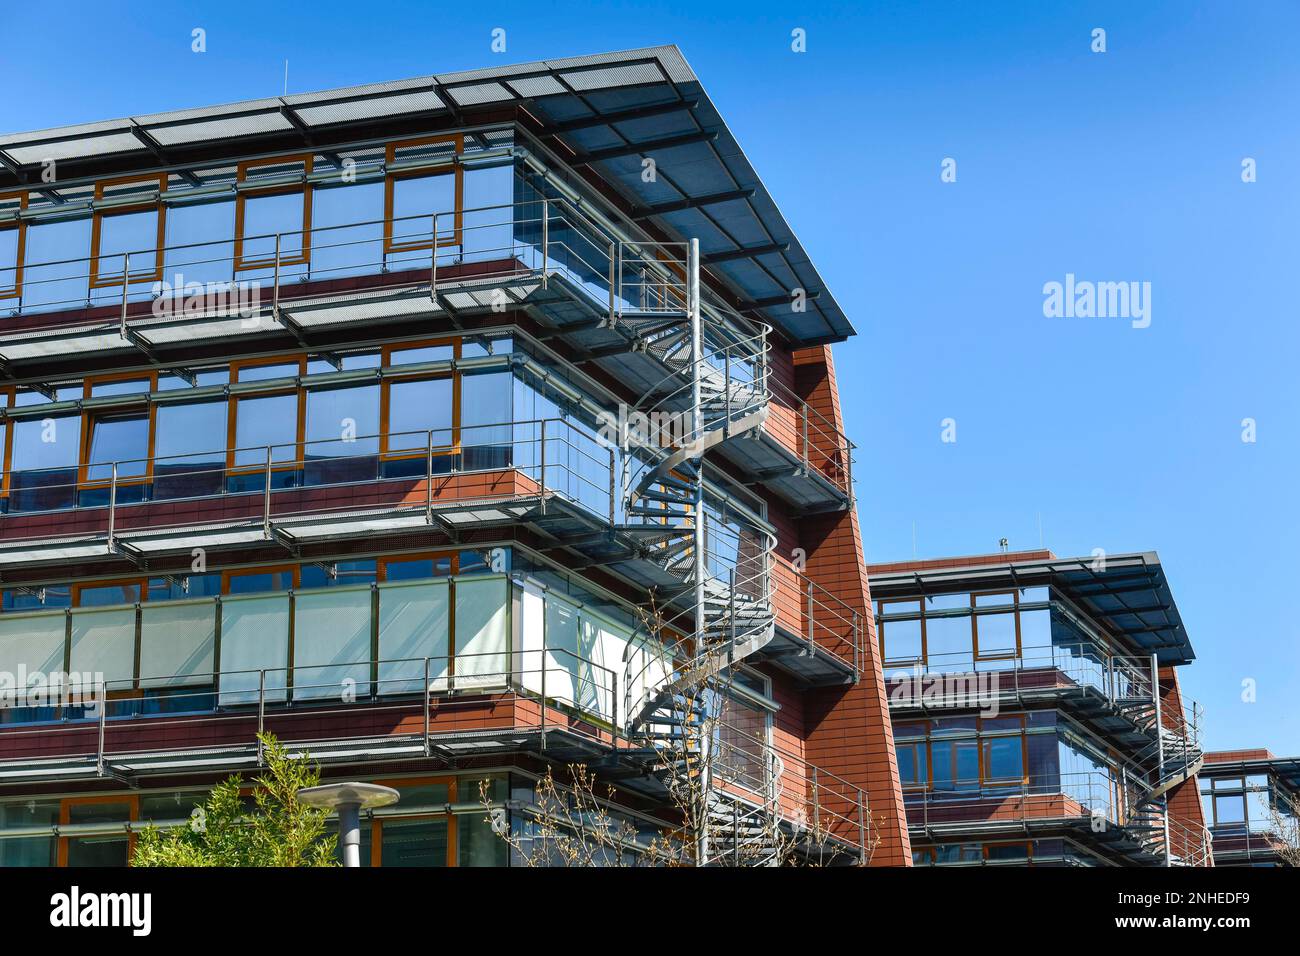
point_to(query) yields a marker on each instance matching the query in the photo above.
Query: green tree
(278, 830)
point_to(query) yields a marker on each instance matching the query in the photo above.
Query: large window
(129, 231)
(43, 470)
(327, 418)
(54, 266)
(200, 242)
(423, 180)
(342, 434)
(959, 755)
(266, 429)
(273, 201)
(967, 631)
(189, 448)
(486, 414)
(347, 231)
(1249, 802)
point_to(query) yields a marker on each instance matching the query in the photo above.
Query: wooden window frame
(401, 454)
(925, 631)
(453, 554)
(232, 412)
(7, 449)
(65, 819)
(294, 571)
(979, 738)
(458, 192)
(976, 613)
(91, 415)
(98, 281)
(303, 258)
(920, 745)
(376, 823)
(1021, 735)
(20, 226)
(395, 375)
(886, 660)
(141, 582)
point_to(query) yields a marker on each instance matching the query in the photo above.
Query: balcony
(1089, 807)
(498, 696)
(1111, 694)
(819, 637)
(609, 295)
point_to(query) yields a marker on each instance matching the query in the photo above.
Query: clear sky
(1118, 166)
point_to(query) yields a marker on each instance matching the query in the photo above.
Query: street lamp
(348, 799)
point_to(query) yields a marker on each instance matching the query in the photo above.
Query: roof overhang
(1287, 769)
(1129, 593)
(609, 113)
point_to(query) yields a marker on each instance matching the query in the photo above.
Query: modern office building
(1036, 710)
(448, 429)
(1251, 802)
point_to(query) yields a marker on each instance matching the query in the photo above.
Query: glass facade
(1027, 630)
(1032, 753)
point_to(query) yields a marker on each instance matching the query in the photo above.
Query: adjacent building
(449, 429)
(1036, 710)
(1251, 803)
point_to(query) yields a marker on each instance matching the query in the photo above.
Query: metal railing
(827, 623)
(323, 706)
(1101, 800)
(555, 456)
(975, 805)
(1080, 666)
(285, 699)
(537, 239)
(823, 809)
(813, 437)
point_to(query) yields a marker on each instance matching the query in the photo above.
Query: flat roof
(610, 111)
(1224, 763)
(1127, 591)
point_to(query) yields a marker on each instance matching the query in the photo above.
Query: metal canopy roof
(610, 111)
(1286, 768)
(1128, 591)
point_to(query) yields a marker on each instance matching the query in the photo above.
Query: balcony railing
(320, 708)
(823, 448)
(555, 457)
(974, 810)
(816, 614)
(484, 247)
(1061, 667)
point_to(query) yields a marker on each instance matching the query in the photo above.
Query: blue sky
(1118, 166)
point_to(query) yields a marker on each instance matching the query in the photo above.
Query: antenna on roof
(286, 77)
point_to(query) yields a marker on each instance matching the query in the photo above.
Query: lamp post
(349, 799)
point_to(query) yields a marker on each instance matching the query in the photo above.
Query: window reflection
(342, 434)
(44, 465)
(120, 439)
(262, 421)
(189, 448)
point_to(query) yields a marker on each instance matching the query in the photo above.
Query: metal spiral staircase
(1174, 756)
(719, 592)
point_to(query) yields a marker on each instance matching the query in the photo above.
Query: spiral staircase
(718, 591)
(1174, 756)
